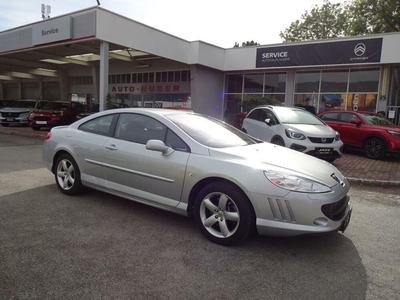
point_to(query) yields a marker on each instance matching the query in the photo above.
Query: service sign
(52, 30)
(328, 53)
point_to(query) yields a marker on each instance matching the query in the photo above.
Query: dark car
(55, 113)
(95, 108)
(367, 131)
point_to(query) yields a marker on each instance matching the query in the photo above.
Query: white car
(294, 128)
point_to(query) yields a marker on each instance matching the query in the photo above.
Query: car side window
(272, 118)
(330, 116)
(101, 125)
(255, 114)
(173, 141)
(139, 128)
(347, 117)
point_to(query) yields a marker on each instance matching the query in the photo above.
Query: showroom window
(346, 89)
(239, 87)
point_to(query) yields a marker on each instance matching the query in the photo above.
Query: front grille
(41, 118)
(281, 210)
(321, 140)
(335, 211)
(9, 115)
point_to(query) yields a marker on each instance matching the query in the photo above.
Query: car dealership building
(88, 54)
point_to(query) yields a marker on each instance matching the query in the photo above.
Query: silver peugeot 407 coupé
(198, 166)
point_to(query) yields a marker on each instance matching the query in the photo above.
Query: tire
(5, 124)
(224, 214)
(374, 148)
(330, 160)
(244, 130)
(278, 141)
(34, 127)
(68, 175)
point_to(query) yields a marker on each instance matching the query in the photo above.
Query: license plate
(41, 122)
(324, 150)
(10, 119)
(346, 221)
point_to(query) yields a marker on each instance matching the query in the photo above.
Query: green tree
(373, 16)
(326, 21)
(356, 17)
(245, 44)
(253, 101)
(108, 102)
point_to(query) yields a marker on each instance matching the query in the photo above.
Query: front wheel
(374, 148)
(224, 214)
(278, 141)
(68, 176)
(35, 127)
(5, 124)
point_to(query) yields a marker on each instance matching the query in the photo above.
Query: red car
(55, 113)
(368, 131)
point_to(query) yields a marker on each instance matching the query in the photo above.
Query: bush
(108, 102)
(253, 101)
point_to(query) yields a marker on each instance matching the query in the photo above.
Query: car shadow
(99, 244)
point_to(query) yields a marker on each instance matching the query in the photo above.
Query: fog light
(320, 222)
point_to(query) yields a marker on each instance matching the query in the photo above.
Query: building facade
(88, 54)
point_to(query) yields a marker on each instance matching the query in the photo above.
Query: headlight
(294, 135)
(337, 136)
(396, 133)
(295, 183)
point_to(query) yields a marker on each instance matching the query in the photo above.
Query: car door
(350, 133)
(257, 127)
(145, 175)
(89, 149)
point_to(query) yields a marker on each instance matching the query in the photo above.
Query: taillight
(48, 136)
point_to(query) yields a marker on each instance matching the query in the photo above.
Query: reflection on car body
(198, 166)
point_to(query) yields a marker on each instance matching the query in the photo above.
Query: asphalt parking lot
(98, 246)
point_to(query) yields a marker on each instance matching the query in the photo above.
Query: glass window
(173, 141)
(171, 76)
(139, 129)
(177, 76)
(334, 81)
(185, 76)
(233, 83)
(253, 83)
(307, 82)
(158, 76)
(275, 83)
(366, 80)
(134, 78)
(211, 132)
(364, 102)
(145, 77)
(102, 125)
(140, 77)
(330, 116)
(347, 117)
(151, 77)
(164, 76)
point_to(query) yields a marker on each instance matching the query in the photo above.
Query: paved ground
(354, 165)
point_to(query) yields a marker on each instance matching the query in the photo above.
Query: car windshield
(28, 104)
(211, 132)
(297, 116)
(56, 106)
(375, 119)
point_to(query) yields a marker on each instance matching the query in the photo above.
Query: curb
(33, 135)
(372, 182)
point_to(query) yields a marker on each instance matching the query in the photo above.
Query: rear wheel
(374, 148)
(68, 176)
(224, 214)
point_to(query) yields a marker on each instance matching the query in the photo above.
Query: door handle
(112, 147)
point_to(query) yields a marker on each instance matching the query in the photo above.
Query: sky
(219, 22)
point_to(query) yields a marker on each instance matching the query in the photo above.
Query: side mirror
(157, 145)
(268, 121)
(355, 121)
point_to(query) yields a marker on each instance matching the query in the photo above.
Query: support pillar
(103, 91)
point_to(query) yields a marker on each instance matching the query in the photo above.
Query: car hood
(315, 130)
(387, 127)
(46, 111)
(16, 109)
(273, 157)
